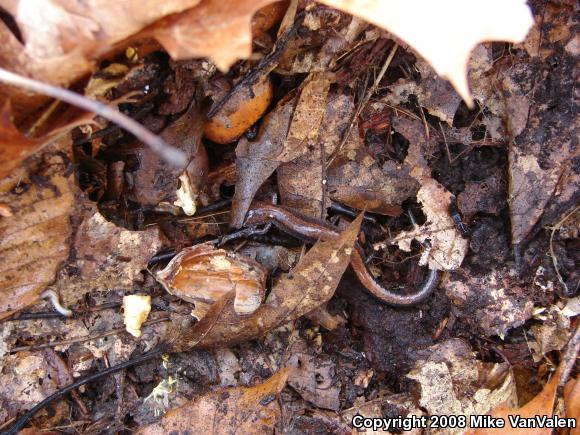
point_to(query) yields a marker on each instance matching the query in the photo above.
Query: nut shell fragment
(202, 274)
(239, 113)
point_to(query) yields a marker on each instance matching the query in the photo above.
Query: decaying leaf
(541, 405)
(310, 284)
(32, 373)
(354, 178)
(305, 193)
(257, 160)
(251, 410)
(14, 146)
(34, 241)
(552, 334)
(106, 256)
(155, 180)
(220, 30)
(202, 275)
(451, 382)
(493, 302)
(447, 246)
(314, 377)
(435, 32)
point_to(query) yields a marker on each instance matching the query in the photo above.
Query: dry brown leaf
(28, 378)
(452, 382)
(34, 241)
(444, 32)
(314, 376)
(257, 160)
(304, 193)
(572, 402)
(106, 256)
(62, 39)
(310, 284)
(248, 410)
(491, 302)
(14, 146)
(218, 29)
(541, 405)
(155, 180)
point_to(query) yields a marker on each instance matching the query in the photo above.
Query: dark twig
(25, 418)
(80, 339)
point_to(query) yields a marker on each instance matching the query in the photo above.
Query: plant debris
(289, 216)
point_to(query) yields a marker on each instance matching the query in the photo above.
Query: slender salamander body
(311, 230)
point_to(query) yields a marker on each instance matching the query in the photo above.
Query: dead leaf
(28, 378)
(58, 33)
(106, 256)
(217, 29)
(492, 302)
(540, 405)
(451, 382)
(447, 246)
(572, 402)
(445, 32)
(257, 160)
(305, 193)
(310, 284)
(251, 410)
(314, 377)
(552, 334)
(14, 146)
(155, 180)
(34, 241)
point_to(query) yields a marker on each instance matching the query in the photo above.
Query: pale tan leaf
(34, 241)
(226, 411)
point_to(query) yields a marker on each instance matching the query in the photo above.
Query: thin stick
(553, 254)
(81, 339)
(23, 420)
(170, 154)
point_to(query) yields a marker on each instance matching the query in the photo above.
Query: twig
(553, 254)
(81, 339)
(451, 159)
(167, 152)
(23, 420)
(570, 357)
(364, 102)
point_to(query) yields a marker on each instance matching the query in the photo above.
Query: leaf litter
(348, 123)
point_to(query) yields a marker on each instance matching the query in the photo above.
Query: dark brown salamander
(312, 230)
